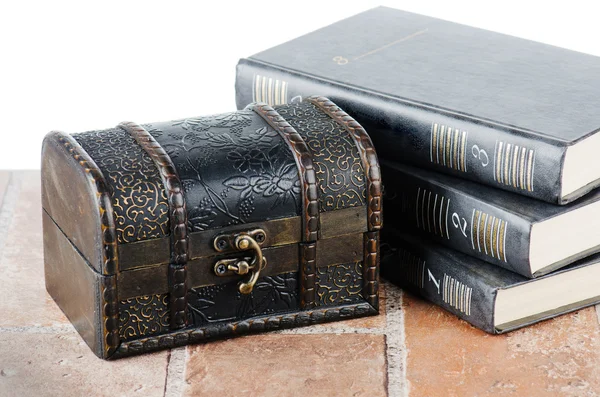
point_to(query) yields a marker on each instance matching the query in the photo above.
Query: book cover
(521, 234)
(486, 296)
(511, 113)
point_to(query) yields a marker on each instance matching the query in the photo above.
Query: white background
(77, 66)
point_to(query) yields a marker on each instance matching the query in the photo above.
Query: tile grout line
(405, 389)
(7, 206)
(167, 372)
(34, 329)
(598, 312)
(395, 343)
(175, 377)
(329, 330)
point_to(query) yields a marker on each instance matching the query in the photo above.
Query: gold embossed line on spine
(308, 178)
(457, 294)
(448, 147)
(406, 202)
(178, 222)
(488, 234)
(514, 165)
(413, 267)
(269, 90)
(431, 212)
(368, 156)
(108, 293)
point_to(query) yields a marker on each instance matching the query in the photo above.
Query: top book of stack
(503, 111)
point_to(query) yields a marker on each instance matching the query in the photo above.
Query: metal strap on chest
(373, 193)
(310, 197)
(178, 221)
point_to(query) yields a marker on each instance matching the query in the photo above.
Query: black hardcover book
(526, 236)
(511, 113)
(489, 297)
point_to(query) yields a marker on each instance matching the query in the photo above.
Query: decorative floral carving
(139, 198)
(246, 159)
(234, 168)
(224, 302)
(338, 284)
(339, 169)
(282, 182)
(143, 316)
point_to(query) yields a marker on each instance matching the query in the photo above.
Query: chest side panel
(138, 195)
(234, 167)
(70, 201)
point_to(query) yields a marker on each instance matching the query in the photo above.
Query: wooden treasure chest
(165, 234)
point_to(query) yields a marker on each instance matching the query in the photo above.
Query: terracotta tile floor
(412, 348)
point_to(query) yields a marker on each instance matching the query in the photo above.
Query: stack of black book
(488, 145)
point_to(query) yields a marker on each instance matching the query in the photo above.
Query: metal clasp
(245, 241)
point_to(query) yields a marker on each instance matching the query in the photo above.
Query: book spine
(457, 220)
(497, 155)
(437, 278)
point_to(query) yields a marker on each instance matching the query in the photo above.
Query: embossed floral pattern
(281, 182)
(224, 302)
(246, 159)
(234, 168)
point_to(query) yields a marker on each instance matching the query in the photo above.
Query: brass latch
(245, 241)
